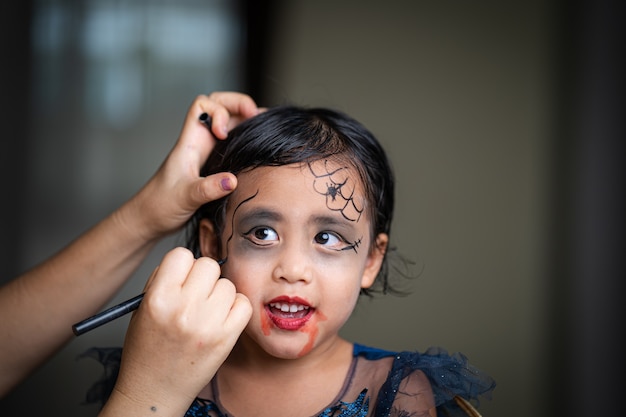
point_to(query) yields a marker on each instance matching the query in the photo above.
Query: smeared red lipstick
(289, 313)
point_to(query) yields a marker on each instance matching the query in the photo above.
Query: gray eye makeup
(354, 245)
(338, 187)
(232, 220)
(341, 244)
(261, 235)
(324, 237)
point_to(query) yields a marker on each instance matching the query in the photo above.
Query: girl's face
(299, 246)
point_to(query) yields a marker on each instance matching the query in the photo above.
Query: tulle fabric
(380, 383)
(448, 375)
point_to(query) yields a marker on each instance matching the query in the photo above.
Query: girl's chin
(288, 345)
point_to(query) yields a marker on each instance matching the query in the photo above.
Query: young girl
(306, 232)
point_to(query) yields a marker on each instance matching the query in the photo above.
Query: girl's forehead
(328, 171)
(326, 182)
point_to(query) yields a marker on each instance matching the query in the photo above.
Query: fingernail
(226, 184)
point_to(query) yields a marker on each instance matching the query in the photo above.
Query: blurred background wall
(503, 122)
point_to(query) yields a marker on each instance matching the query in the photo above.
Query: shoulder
(451, 376)
(430, 377)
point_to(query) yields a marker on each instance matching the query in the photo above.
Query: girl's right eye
(261, 234)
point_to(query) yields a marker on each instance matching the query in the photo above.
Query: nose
(293, 265)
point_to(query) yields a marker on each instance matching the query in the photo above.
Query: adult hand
(185, 327)
(176, 191)
(39, 307)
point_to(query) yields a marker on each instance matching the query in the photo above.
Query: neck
(248, 357)
(266, 381)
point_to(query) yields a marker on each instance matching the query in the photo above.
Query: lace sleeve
(414, 397)
(417, 382)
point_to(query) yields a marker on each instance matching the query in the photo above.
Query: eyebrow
(332, 221)
(270, 215)
(260, 213)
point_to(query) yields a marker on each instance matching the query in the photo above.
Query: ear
(374, 260)
(208, 239)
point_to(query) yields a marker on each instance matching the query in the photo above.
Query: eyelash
(252, 236)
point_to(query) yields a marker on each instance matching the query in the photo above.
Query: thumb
(212, 188)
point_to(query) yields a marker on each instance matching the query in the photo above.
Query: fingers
(200, 282)
(237, 309)
(190, 289)
(226, 109)
(232, 109)
(240, 314)
(172, 272)
(236, 103)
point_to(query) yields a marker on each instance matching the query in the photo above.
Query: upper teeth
(289, 308)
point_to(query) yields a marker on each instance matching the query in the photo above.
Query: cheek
(266, 325)
(239, 274)
(312, 330)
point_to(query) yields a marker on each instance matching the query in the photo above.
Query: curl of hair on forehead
(289, 135)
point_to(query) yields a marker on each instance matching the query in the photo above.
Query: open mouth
(293, 310)
(289, 315)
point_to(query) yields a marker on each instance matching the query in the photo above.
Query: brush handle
(107, 315)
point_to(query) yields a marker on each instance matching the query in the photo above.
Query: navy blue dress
(379, 383)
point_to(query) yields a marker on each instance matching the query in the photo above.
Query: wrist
(137, 404)
(132, 220)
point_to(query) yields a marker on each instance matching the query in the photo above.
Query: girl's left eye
(328, 239)
(264, 234)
